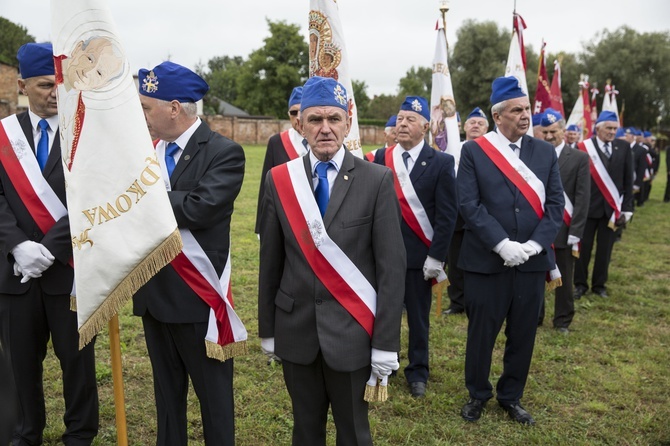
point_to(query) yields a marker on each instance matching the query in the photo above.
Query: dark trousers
(7, 396)
(596, 229)
(490, 300)
(313, 387)
(454, 273)
(418, 299)
(177, 351)
(564, 306)
(666, 196)
(28, 321)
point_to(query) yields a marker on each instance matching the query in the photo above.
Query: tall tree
(266, 80)
(361, 96)
(12, 36)
(417, 82)
(222, 76)
(383, 106)
(639, 66)
(571, 69)
(479, 56)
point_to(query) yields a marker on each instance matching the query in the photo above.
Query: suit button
(318, 301)
(516, 210)
(35, 235)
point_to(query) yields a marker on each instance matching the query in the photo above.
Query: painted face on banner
(93, 64)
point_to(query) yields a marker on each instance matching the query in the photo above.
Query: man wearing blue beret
(611, 202)
(573, 166)
(35, 276)
(282, 147)
(389, 137)
(537, 125)
(331, 277)
(640, 164)
(427, 194)
(572, 135)
(204, 173)
(511, 199)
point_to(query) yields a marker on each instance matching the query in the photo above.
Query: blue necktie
(514, 148)
(170, 151)
(321, 191)
(43, 144)
(405, 157)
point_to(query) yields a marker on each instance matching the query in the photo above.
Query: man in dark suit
(475, 126)
(639, 162)
(205, 173)
(666, 196)
(282, 147)
(506, 250)
(573, 166)
(331, 278)
(616, 160)
(572, 136)
(35, 278)
(427, 193)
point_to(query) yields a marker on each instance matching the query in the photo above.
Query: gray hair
(190, 109)
(499, 107)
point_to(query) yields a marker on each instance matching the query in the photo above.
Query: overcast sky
(384, 38)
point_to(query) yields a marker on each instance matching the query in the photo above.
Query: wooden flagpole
(117, 378)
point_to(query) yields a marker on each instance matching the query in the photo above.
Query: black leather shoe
(579, 292)
(417, 389)
(450, 310)
(518, 413)
(563, 330)
(473, 409)
(601, 292)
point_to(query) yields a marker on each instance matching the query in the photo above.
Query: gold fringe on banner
(225, 352)
(376, 394)
(73, 303)
(124, 291)
(552, 285)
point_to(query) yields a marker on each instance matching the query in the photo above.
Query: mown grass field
(606, 383)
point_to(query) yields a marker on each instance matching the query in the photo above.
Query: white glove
(512, 253)
(375, 376)
(268, 347)
(33, 259)
(636, 189)
(17, 270)
(432, 268)
(383, 362)
(572, 240)
(531, 248)
(627, 216)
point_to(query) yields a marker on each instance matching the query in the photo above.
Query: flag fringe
(553, 284)
(73, 303)
(124, 291)
(225, 352)
(376, 394)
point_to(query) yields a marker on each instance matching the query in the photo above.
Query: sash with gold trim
(292, 142)
(603, 180)
(226, 335)
(24, 172)
(330, 264)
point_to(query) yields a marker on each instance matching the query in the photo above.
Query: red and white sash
(603, 180)
(21, 166)
(226, 336)
(567, 219)
(370, 156)
(292, 142)
(649, 170)
(329, 263)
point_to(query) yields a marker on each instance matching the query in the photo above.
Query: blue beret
(416, 104)
(646, 134)
(36, 59)
(619, 132)
(476, 113)
(607, 116)
(504, 88)
(572, 128)
(392, 121)
(172, 82)
(296, 96)
(637, 132)
(550, 116)
(324, 91)
(537, 119)
(629, 131)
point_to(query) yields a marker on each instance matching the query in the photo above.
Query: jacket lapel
(340, 188)
(54, 155)
(190, 151)
(422, 162)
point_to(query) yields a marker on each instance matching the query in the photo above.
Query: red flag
(519, 25)
(556, 95)
(587, 131)
(594, 107)
(542, 93)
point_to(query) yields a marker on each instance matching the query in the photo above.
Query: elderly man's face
(607, 131)
(92, 67)
(325, 129)
(571, 136)
(158, 115)
(553, 134)
(41, 92)
(513, 121)
(410, 128)
(475, 127)
(389, 136)
(293, 116)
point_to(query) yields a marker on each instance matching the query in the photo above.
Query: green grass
(606, 383)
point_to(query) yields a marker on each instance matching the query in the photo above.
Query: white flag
(609, 101)
(516, 66)
(122, 226)
(443, 120)
(328, 58)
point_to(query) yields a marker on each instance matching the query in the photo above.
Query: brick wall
(9, 90)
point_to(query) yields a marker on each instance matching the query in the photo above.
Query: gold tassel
(552, 285)
(575, 254)
(73, 303)
(225, 352)
(376, 394)
(124, 291)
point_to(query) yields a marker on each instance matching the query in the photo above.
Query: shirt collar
(507, 142)
(559, 148)
(335, 160)
(601, 143)
(34, 121)
(414, 151)
(183, 139)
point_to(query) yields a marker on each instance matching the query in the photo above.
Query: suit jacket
(17, 226)
(274, 156)
(434, 181)
(205, 182)
(573, 165)
(494, 209)
(363, 219)
(639, 164)
(620, 168)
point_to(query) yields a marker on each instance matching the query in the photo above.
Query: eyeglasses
(293, 112)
